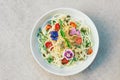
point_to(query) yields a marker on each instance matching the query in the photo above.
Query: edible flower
(68, 54)
(78, 32)
(73, 31)
(54, 35)
(48, 44)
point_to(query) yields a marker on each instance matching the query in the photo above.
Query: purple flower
(54, 35)
(73, 31)
(68, 54)
(78, 32)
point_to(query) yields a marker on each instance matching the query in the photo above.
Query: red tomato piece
(48, 44)
(78, 40)
(90, 50)
(57, 26)
(64, 61)
(73, 24)
(48, 27)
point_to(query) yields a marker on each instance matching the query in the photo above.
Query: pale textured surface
(17, 18)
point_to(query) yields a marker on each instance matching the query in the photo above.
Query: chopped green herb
(87, 44)
(78, 46)
(62, 33)
(54, 22)
(50, 59)
(83, 30)
(68, 43)
(68, 16)
(74, 59)
(43, 55)
(37, 34)
(44, 47)
(61, 23)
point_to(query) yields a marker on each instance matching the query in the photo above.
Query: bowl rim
(60, 74)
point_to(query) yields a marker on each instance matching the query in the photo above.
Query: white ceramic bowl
(67, 70)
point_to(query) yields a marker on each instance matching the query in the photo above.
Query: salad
(64, 40)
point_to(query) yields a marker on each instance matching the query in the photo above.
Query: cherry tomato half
(64, 61)
(48, 27)
(90, 50)
(73, 24)
(48, 44)
(57, 26)
(78, 40)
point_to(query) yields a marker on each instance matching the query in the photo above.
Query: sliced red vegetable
(51, 48)
(64, 61)
(48, 27)
(48, 44)
(73, 24)
(57, 26)
(78, 40)
(90, 50)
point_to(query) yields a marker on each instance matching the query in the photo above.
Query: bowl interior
(67, 70)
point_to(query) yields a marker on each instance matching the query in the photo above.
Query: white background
(17, 18)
